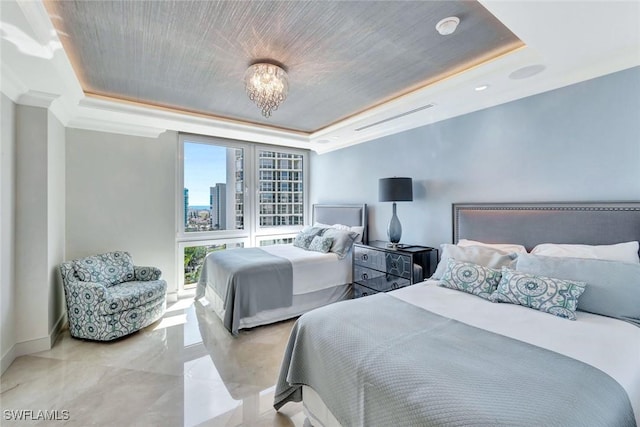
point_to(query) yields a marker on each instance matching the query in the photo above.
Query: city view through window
(214, 193)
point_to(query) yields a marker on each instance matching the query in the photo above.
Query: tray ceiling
(342, 57)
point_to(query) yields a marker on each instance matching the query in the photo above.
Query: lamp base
(394, 231)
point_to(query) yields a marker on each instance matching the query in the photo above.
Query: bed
(249, 287)
(430, 355)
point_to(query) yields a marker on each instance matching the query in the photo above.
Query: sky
(204, 166)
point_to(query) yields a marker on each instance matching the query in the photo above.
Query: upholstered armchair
(108, 297)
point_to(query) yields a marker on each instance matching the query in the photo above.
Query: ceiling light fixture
(482, 87)
(447, 25)
(267, 85)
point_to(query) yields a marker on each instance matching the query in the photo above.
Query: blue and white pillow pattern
(471, 278)
(304, 238)
(321, 244)
(109, 268)
(555, 296)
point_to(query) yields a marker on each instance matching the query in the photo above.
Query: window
(236, 193)
(193, 255)
(213, 187)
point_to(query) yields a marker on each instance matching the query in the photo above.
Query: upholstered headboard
(530, 224)
(352, 215)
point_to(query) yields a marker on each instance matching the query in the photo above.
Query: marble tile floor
(184, 370)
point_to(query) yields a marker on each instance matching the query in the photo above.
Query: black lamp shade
(395, 190)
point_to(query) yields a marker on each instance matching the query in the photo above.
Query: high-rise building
(281, 188)
(218, 206)
(186, 206)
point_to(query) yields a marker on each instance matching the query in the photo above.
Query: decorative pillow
(110, 268)
(355, 228)
(342, 241)
(625, 252)
(555, 296)
(471, 278)
(613, 287)
(359, 230)
(507, 247)
(303, 240)
(486, 257)
(321, 244)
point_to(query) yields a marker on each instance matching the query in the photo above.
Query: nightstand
(378, 268)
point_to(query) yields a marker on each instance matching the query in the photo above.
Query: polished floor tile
(184, 370)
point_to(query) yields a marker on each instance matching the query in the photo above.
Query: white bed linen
(313, 271)
(611, 345)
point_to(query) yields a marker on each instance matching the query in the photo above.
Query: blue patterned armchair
(108, 297)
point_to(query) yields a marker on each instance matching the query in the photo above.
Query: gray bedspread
(248, 280)
(379, 361)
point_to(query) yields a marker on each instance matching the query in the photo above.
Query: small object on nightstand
(378, 268)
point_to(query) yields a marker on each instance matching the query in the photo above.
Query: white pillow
(359, 230)
(486, 257)
(509, 247)
(625, 252)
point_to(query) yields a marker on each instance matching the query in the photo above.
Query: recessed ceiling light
(526, 72)
(482, 87)
(447, 25)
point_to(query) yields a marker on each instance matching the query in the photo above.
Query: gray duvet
(379, 361)
(248, 280)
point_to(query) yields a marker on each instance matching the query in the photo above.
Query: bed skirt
(301, 304)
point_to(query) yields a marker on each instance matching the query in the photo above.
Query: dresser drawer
(398, 265)
(362, 291)
(367, 257)
(378, 280)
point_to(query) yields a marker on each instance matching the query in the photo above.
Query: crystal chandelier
(267, 86)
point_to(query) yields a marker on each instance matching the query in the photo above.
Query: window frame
(252, 233)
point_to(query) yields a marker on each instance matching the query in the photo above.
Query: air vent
(415, 110)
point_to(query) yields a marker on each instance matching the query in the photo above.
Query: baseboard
(33, 346)
(172, 297)
(7, 359)
(57, 328)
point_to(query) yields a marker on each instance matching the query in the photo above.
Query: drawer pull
(394, 264)
(365, 276)
(365, 257)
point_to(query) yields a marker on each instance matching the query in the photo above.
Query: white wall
(7, 230)
(120, 195)
(55, 219)
(39, 228)
(32, 261)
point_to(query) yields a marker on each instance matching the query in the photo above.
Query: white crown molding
(34, 98)
(114, 127)
(38, 19)
(128, 115)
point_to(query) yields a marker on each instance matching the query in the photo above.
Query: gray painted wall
(578, 143)
(121, 196)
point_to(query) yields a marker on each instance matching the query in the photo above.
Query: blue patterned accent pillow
(321, 244)
(555, 296)
(110, 268)
(471, 278)
(304, 238)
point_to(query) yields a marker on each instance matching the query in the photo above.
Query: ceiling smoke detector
(447, 25)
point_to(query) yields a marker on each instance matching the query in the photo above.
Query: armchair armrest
(89, 292)
(146, 273)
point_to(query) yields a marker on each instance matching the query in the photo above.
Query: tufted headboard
(352, 215)
(530, 224)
